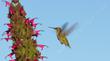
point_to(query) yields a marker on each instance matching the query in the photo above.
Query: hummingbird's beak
(52, 27)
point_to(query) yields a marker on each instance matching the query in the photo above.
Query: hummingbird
(62, 32)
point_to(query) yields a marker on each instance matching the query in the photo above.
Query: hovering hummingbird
(62, 32)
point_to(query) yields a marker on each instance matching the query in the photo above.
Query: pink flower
(27, 21)
(35, 59)
(9, 25)
(7, 39)
(42, 57)
(22, 12)
(11, 10)
(10, 55)
(41, 46)
(7, 3)
(34, 25)
(32, 20)
(36, 33)
(12, 60)
(8, 34)
(21, 9)
(9, 15)
(13, 47)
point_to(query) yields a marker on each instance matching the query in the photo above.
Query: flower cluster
(20, 31)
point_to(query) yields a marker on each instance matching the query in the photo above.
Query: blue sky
(89, 42)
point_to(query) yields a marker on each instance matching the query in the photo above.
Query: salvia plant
(20, 31)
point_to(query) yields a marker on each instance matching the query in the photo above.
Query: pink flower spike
(41, 46)
(7, 3)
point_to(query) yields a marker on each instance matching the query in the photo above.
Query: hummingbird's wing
(64, 26)
(72, 28)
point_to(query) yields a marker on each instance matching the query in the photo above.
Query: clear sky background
(89, 42)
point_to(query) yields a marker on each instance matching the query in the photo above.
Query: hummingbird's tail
(69, 45)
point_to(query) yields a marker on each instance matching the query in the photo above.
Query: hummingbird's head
(57, 29)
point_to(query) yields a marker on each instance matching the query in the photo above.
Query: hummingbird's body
(62, 37)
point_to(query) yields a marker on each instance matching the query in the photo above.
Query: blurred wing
(72, 28)
(64, 26)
